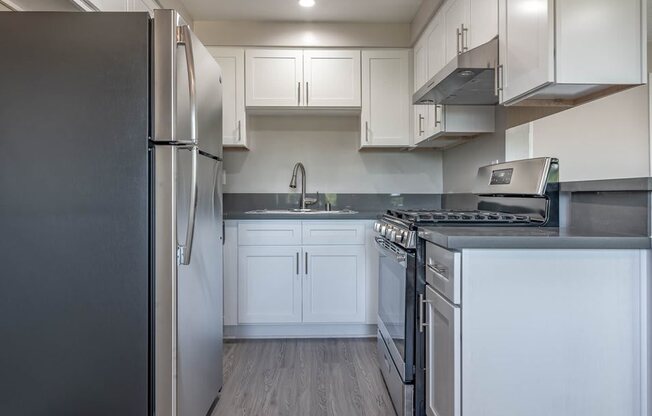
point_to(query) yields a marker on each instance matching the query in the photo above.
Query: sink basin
(299, 211)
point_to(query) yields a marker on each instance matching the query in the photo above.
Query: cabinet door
(420, 63)
(421, 122)
(436, 40)
(527, 46)
(483, 23)
(274, 77)
(334, 284)
(443, 356)
(437, 120)
(332, 78)
(231, 61)
(456, 21)
(269, 284)
(386, 98)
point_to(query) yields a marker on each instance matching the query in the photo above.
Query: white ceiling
(395, 11)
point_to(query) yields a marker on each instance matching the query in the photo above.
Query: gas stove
(508, 194)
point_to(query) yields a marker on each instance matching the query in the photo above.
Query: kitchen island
(535, 321)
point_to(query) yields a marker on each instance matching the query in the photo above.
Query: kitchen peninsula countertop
(530, 238)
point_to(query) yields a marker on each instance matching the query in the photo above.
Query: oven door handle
(386, 249)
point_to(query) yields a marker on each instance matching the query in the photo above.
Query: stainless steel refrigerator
(110, 216)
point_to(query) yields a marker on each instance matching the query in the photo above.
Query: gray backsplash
(623, 208)
(235, 203)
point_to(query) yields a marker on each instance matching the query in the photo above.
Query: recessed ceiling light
(306, 3)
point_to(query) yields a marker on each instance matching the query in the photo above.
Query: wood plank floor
(303, 377)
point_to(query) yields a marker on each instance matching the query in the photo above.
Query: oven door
(396, 304)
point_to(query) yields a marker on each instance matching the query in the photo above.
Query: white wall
(604, 139)
(328, 147)
(300, 34)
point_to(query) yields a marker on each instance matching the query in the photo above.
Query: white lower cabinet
(269, 284)
(333, 288)
(315, 273)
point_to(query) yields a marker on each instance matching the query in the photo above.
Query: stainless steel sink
(299, 211)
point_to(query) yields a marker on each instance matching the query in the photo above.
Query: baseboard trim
(300, 331)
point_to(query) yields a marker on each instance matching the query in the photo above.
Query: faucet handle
(311, 201)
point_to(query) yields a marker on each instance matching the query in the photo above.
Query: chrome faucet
(303, 202)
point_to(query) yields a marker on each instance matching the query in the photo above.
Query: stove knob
(376, 226)
(399, 237)
(406, 235)
(392, 235)
(383, 228)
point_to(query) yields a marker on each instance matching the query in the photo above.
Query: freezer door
(188, 311)
(187, 87)
(199, 294)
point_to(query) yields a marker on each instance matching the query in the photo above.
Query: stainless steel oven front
(397, 320)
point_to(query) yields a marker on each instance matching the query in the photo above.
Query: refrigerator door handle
(185, 250)
(184, 38)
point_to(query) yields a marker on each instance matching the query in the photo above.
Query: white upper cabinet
(458, 26)
(274, 77)
(234, 128)
(332, 78)
(302, 78)
(569, 51)
(386, 98)
(420, 63)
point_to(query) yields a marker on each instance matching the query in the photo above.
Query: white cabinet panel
(420, 63)
(386, 98)
(332, 78)
(274, 77)
(334, 285)
(443, 356)
(234, 128)
(586, 29)
(333, 232)
(527, 55)
(264, 233)
(456, 21)
(269, 284)
(436, 41)
(483, 23)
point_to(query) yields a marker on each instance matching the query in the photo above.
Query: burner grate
(419, 216)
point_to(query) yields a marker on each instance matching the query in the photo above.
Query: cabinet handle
(437, 120)
(239, 130)
(420, 124)
(306, 263)
(306, 93)
(465, 38)
(422, 303)
(366, 131)
(298, 263)
(500, 78)
(459, 36)
(298, 93)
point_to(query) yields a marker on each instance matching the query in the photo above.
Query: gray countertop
(241, 215)
(530, 238)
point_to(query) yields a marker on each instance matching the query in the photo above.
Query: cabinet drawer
(269, 233)
(443, 270)
(333, 232)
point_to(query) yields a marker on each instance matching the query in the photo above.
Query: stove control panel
(396, 234)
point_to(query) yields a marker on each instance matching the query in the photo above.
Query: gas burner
(429, 217)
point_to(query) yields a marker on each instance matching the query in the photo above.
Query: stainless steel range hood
(469, 79)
